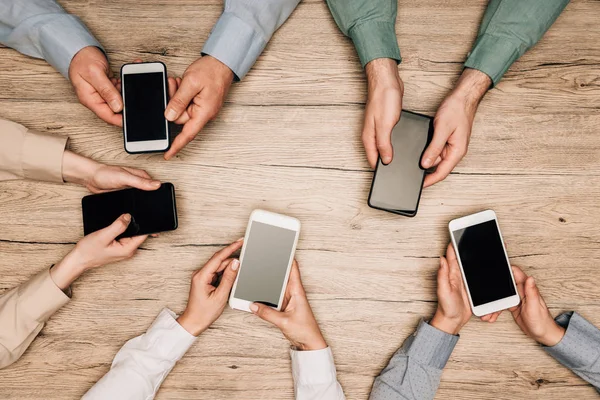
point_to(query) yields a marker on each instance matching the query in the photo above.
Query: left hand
(452, 125)
(99, 178)
(95, 85)
(207, 300)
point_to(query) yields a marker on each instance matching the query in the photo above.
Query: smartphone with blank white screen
(144, 91)
(484, 263)
(265, 261)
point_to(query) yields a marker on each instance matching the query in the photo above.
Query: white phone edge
(146, 145)
(475, 219)
(274, 219)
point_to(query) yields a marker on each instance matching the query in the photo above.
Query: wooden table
(288, 140)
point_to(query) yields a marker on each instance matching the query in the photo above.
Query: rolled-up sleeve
(243, 31)
(43, 29)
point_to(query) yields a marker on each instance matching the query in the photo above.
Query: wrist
(553, 335)
(314, 343)
(66, 271)
(190, 324)
(471, 87)
(78, 169)
(448, 325)
(221, 69)
(383, 72)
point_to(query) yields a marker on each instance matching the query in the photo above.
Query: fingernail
(253, 307)
(171, 114)
(115, 105)
(127, 217)
(240, 239)
(427, 163)
(235, 264)
(156, 184)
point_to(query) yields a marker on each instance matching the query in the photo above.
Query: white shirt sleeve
(315, 376)
(144, 362)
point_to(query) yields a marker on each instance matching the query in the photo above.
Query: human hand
(296, 321)
(96, 249)
(452, 125)
(198, 99)
(95, 85)
(382, 112)
(207, 300)
(454, 309)
(532, 314)
(99, 178)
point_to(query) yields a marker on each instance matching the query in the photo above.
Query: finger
(137, 60)
(383, 137)
(520, 276)
(212, 266)
(437, 161)
(130, 179)
(532, 292)
(116, 228)
(369, 141)
(101, 82)
(228, 278)
(103, 111)
(443, 278)
(441, 133)
(130, 245)
(138, 172)
(486, 317)
(451, 255)
(268, 314)
(172, 87)
(181, 99)
(189, 132)
(295, 286)
(494, 317)
(443, 169)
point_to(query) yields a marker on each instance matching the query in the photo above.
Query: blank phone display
(267, 255)
(484, 262)
(144, 106)
(397, 186)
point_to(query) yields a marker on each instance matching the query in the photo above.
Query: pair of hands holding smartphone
(207, 300)
(196, 98)
(454, 310)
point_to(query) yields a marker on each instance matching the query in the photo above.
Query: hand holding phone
(297, 321)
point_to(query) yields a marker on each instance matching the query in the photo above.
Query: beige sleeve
(23, 312)
(25, 154)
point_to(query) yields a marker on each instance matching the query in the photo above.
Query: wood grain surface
(288, 140)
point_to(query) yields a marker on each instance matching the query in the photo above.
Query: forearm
(510, 28)
(471, 87)
(78, 169)
(414, 372)
(371, 26)
(243, 31)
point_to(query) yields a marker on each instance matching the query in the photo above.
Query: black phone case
(131, 229)
(400, 212)
(166, 88)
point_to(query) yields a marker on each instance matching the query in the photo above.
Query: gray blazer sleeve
(243, 31)
(414, 372)
(579, 349)
(43, 29)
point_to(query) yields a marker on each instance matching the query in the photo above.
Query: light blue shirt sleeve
(244, 29)
(43, 29)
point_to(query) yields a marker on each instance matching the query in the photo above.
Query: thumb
(181, 100)
(105, 88)
(532, 292)
(228, 278)
(116, 228)
(268, 314)
(139, 182)
(435, 148)
(443, 278)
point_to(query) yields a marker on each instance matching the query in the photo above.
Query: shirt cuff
(234, 43)
(314, 367)
(40, 297)
(375, 39)
(494, 55)
(430, 346)
(42, 156)
(167, 338)
(62, 38)
(579, 346)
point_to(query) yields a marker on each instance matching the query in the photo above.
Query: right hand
(198, 99)
(382, 112)
(296, 321)
(96, 249)
(532, 314)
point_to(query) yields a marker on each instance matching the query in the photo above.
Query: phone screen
(267, 255)
(397, 186)
(484, 262)
(144, 106)
(151, 211)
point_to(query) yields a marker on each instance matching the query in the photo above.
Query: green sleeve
(510, 28)
(371, 24)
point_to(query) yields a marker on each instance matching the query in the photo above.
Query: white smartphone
(144, 91)
(484, 262)
(265, 261)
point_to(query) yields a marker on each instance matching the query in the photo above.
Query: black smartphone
(151, 211)
(397, 187)
(145, 97)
